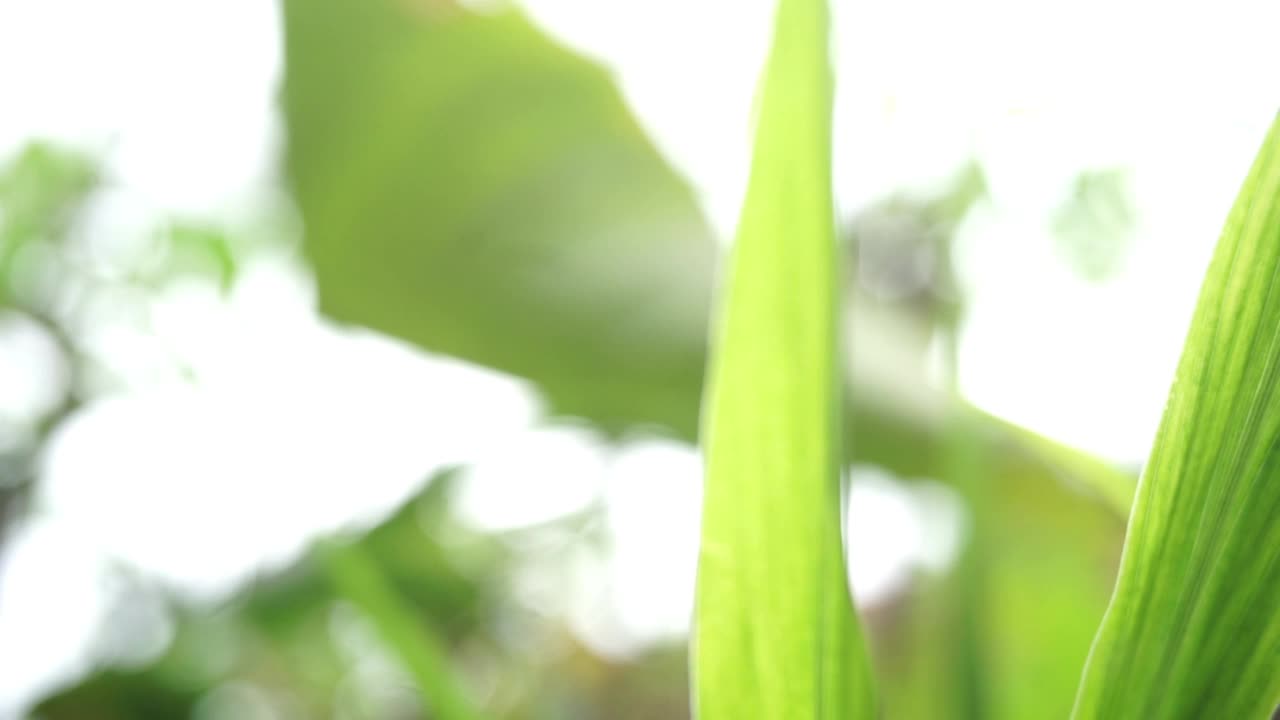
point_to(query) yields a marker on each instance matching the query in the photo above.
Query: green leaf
(41, 190)
(468, 185)
(1193, 629)
(471, 187)
(776, 635)
(359, 579)
(1049, 557)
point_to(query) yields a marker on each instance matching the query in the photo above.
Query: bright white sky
(181, 93)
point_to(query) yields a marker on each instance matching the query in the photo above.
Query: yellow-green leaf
(776, 635)
(1193, 630)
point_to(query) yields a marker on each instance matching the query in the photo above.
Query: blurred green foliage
(1094, 227)
(496, 201)
(41, 191)
(52, 277)
(303, 643)
(470, 186)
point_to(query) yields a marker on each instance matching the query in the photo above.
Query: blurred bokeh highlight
(351, 351)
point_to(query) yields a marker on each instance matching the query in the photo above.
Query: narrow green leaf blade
(358, 578)
(1193, 630)
(776, 634)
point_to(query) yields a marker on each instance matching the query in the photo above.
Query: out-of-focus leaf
(469, 185)
(202, 249)
(122, 695)
(1075, 468)
(40, 189)
(1049, 561)
(279, 632)
(1051, 556)
(1094, 227)
(776, 635)
(972, 644)
(1193, 629)
(415, 643)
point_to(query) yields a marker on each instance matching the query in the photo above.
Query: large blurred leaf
(469, 185)
(1048, 564)
(1193, 630)
(1094, 227)
(775, 631)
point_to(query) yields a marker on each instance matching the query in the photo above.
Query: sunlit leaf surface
(776, 635)
(1193, 630)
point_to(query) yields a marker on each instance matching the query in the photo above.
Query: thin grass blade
(420, 651)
